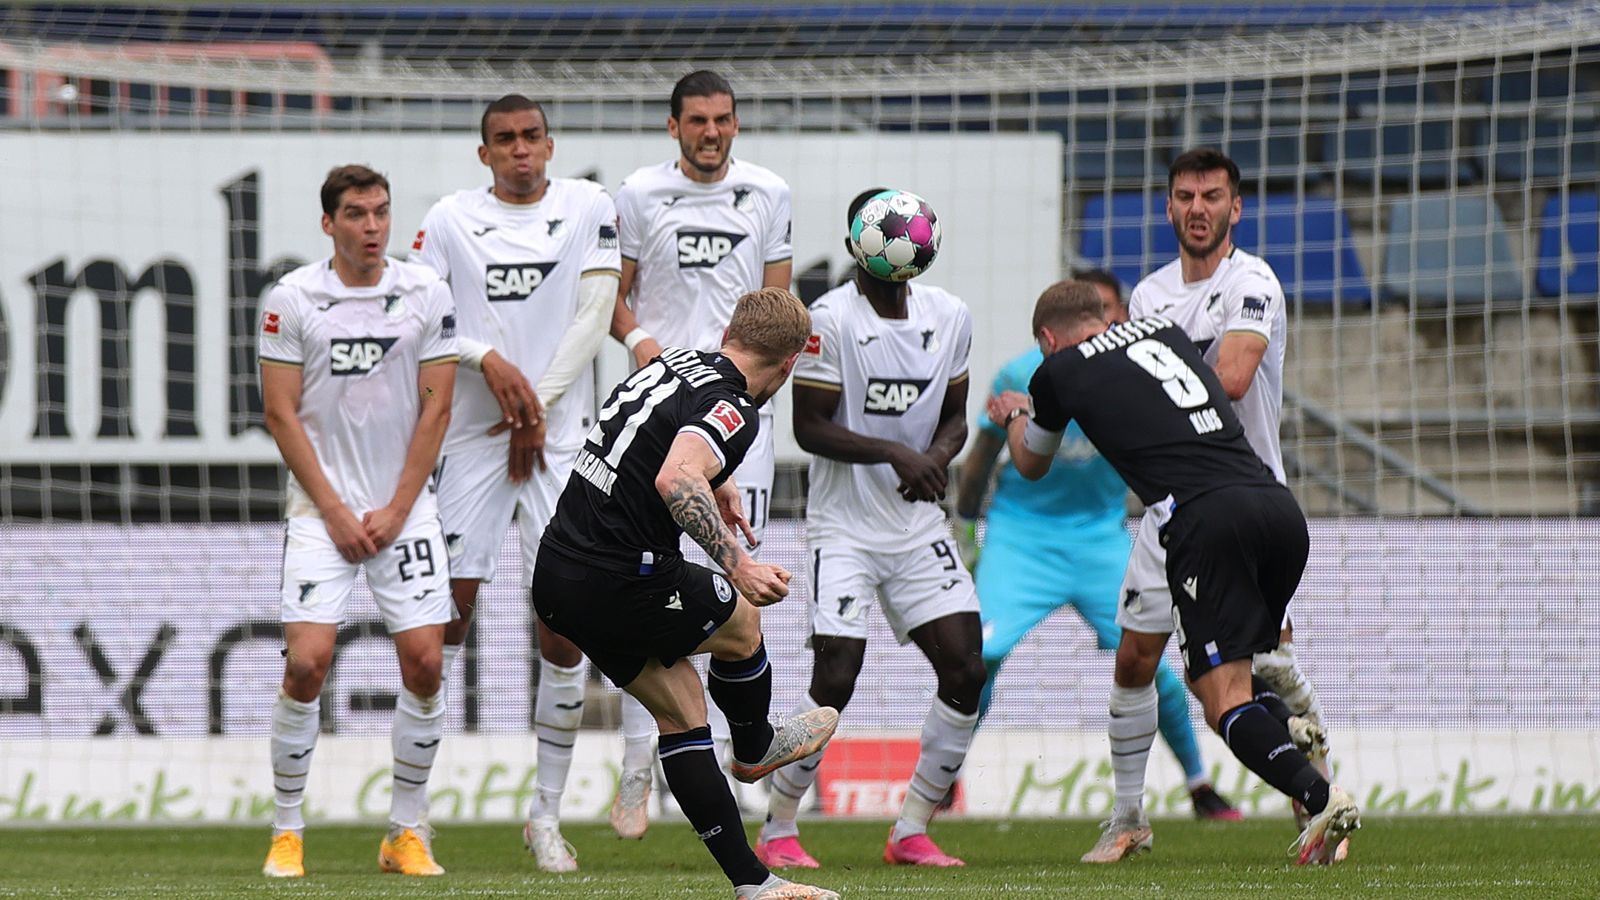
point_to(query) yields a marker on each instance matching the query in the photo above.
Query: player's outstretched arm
(684, 483)
(625, 325)
(971, 489)
(280, 395)
(435, 383)
(816, 432)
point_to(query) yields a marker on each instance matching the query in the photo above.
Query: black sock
(1270, 700)
(1263, 745)
(743, 691)
(702, 792)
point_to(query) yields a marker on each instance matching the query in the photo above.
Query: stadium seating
(1395, 153)
(1543, 155)
(1127, 233)
(1273, 155)
(1444, 249)
(1325, 269)
(1569, 258)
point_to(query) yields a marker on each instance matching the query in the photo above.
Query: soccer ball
(895, 236)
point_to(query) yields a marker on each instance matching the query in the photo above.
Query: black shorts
(1234, 558)
(622, 621)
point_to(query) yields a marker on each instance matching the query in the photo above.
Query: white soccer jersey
(358, 349)
(514, 270)
(1243, 294)
(892, 375)
(699, 247)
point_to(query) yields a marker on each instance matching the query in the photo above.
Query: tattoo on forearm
(695, 510)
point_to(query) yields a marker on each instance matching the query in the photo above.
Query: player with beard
(697, 232)
(532, 262)
(1235, 539)
(1231, 306)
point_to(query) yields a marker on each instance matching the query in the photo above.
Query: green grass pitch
(1406, 857)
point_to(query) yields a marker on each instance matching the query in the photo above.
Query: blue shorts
(1027, 571)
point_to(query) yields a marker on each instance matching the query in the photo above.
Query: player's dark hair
(1100, 277)
(343, 178)
(701, 83)
(1066, 304)
(856, 204)
(770, 322)
(1201, 160)
(507, 104)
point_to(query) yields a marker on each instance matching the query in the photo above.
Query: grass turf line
(1439, 857)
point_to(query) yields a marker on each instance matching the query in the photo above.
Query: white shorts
(754, 478)
(1145, 603)
(410, 578)
(477, 500)
(913, 587)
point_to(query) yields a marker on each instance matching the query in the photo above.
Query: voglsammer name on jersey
(514, 281)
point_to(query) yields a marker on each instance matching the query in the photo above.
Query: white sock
(451, 651)
(1281, 670)
(638, 735)
(556, 713)
(414, 737)
(789, 786)
(295, 726)
(946, 735)
(1132, 729)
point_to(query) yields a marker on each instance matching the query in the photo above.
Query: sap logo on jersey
(704, 249)
(357, 356)
(893, 396)
(514, 281)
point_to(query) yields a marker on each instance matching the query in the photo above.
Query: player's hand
(644, 351)
(527, 451)
(763, 584)
(966, 532)
(519, 405)
(348, 534)
(921, 477)
(1000, 406)
(383, 526)
(731, 505)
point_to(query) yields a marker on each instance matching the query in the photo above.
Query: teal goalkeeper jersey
(1081, 490)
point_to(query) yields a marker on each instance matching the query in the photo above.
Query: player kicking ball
(610, 576)
(358, 361)
(1236, 541)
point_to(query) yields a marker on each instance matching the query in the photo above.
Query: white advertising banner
(1009, 773)
(133, 263)
(138, 664)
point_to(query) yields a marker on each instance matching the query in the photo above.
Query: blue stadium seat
(1394, 152)
(1569, 246)
(1443, 249)
(1545, 155)
(1128, 236)
(1308, 244)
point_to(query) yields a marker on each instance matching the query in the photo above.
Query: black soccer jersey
(610, 512)
(1157, 412)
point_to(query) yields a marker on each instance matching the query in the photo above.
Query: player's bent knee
(963, 680)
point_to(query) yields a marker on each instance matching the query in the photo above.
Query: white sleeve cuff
(472, 352)
(1040, 441)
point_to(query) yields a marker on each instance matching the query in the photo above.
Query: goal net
(1422, 177)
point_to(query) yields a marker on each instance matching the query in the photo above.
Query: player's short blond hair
(1067, 304)
(770, 322)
